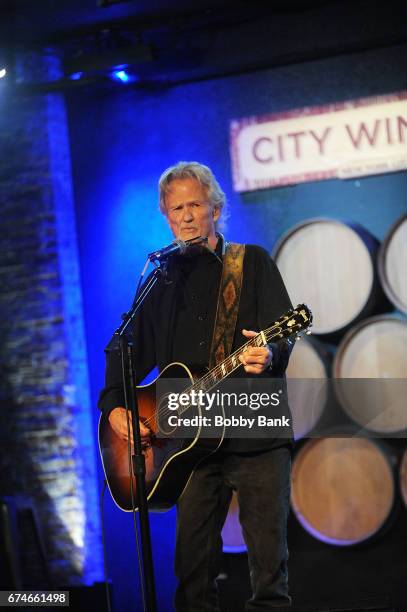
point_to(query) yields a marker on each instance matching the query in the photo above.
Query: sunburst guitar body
(170, 459)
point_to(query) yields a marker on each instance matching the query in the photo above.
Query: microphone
(178, 246)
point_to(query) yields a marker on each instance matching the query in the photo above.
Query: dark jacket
(176, 324)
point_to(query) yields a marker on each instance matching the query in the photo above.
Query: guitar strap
(228, 303)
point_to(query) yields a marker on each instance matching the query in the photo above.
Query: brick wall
(45, 424)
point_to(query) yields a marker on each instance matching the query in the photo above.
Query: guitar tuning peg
(308, 332)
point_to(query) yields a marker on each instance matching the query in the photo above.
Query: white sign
(367, 136)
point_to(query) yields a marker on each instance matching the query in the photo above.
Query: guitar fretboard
(286, 326)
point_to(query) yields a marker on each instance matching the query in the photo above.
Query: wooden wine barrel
(403, 477)
(370, 374)
(330, 266)
(232, 535)
(306, 384)
(342, 489)
(393, 264)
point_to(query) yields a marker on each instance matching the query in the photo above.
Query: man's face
(189, 214)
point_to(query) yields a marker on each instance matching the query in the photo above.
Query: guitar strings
(210, 375)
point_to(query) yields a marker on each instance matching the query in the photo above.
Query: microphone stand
(130, 397)
(138, 461)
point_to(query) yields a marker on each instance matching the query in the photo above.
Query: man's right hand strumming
(118, 422)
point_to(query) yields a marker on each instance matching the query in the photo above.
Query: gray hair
(194, 170)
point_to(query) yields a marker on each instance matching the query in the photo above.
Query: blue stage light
(75, 76)
(3, 73)
(121, 75)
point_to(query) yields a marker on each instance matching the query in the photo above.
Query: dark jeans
(262, 483)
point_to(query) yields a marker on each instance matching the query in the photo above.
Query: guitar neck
(288, 325)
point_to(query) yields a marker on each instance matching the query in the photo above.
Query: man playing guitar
(176, 324)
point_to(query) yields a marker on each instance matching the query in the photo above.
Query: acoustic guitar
(170, 458)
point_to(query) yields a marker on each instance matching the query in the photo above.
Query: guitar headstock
(292, 323)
